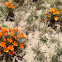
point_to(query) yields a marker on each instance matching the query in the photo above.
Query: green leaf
(4, 26)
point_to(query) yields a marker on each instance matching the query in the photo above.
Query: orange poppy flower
(6, 4)
(12, 33)
(4, 30)
(0, 34)
(6, 49)
(5, 34)
(11, 29)
(22, 35)
(56, 12)
(11, 6)
(49, 10)
(11, 52)
(2, 44)
(10, 47)
(10, 40)
(16, 37)
(52, 9)
(4, 39)
(16, 29)
(56, 18)
(15, 44)
(21, 46)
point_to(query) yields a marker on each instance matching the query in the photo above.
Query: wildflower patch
(10, 40)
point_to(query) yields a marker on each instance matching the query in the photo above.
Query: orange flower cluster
(53, 10)
(54, 13)
(9, 35)
(9, 5)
